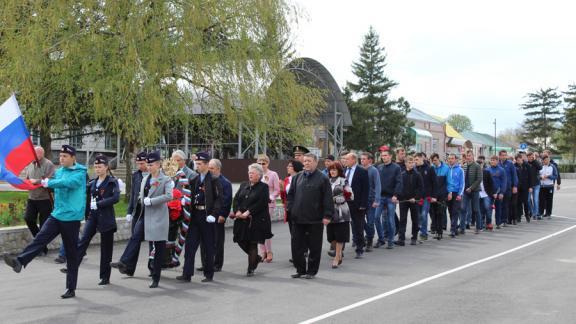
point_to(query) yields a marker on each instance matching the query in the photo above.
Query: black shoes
(378, 244)
(400, 243)
(104, 282)
(183, 278)
(68, 294)
(413, 242)
(200, 269)
(217, 269)
(250, 273)
(13, 263)
(207, 280)
(64, 270)
(305, 276)
(121, 267)
(154, 284)
(60, 259)
(331, 253)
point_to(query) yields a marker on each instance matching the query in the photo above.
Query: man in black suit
(357, 178)
(205, 206)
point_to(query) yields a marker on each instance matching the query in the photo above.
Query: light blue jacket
(69, 186)
(455, 179)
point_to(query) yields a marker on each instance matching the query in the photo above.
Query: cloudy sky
(477, 58)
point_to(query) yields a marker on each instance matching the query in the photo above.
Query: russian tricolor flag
(16, 148)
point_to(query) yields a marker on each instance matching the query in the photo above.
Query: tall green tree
(542, 117)
(568, 130)
(136, 68)
(460, 123)
(377, 119)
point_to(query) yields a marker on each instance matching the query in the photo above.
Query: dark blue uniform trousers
(199, 231)
(51, 228)
(106, 246)
(130, 255)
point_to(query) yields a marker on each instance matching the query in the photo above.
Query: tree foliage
(136, 68)
(377, 119)
(511, 136)
(541, 117)
(567, 141)
(460, 123)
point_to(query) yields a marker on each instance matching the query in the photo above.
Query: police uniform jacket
(156, 216)
(107, 194)
(212, 192)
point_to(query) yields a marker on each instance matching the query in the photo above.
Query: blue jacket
(511, 176)
(390, 179)
(499, 179)
(441, 180)
(375, 188)
(107, 195)
(69, 186)
(455, 179)
(226, 196)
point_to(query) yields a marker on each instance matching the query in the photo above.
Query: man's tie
(348, 175)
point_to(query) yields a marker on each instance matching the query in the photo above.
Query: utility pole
(495, 137)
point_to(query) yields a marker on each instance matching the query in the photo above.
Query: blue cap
(68, 150)
(203, 156)
(153, 157)
(141, 156)
(101, 159)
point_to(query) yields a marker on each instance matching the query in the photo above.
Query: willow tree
(134, 67)
(35, 67)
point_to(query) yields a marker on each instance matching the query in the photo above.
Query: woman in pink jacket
(273, 181)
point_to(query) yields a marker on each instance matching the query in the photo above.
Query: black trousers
(522, 204)
(219, 238)
(199, 231)
(159, 251)
(506, 206)
(219, 234)
(136, 216)
(438, 216)
(106, 246)
(546, 200)
(307, 238)
(37, 212)
(414, 216)
(512, 211)
(49, 231)
(251, 249)
(132, 250)
(358, 220)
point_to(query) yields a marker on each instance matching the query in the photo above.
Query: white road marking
(556, 216)
(437, 276)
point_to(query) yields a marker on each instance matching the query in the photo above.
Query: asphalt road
(523, 273)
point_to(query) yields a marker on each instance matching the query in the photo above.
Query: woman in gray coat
(155, 192)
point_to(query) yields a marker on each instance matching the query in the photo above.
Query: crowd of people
(354, 198)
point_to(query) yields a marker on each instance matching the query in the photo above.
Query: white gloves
(210, 219)
(44, 182)
(147, 201)
(339, 199)
(128, 218)
(183, 201)
(93, 205)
